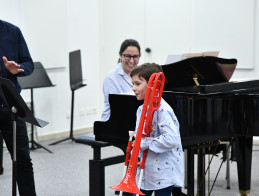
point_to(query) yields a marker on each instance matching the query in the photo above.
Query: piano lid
(209, 70)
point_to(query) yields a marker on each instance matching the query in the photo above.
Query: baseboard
(65, 134)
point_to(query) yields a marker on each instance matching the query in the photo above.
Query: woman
(118, 80)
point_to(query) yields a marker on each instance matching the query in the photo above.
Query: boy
(164, 162)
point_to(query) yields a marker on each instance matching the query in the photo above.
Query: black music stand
(20, 110)
(1, 155)
(76, 82)
(37, 79)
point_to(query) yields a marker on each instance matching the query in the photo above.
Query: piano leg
(190, 172)
(201, 171)
(244, 147)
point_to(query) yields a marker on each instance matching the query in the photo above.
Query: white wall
(230, 32)
(81, 32)
(54, 28)
(11, 10)
(254, 71)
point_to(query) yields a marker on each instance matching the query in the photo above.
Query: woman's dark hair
(127, 43)
(146, 70)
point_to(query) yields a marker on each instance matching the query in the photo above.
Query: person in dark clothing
(15, 61)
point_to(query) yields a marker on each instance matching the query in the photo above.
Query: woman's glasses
(128, 57)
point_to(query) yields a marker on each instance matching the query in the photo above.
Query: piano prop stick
(151, 104)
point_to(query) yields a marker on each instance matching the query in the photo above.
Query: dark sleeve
(24, 57)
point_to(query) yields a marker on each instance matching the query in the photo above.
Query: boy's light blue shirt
(164, 162)
(116, 82)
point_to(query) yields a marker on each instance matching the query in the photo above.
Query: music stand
(1, 155)
(76, 82)
(19, 110)
(37, 79)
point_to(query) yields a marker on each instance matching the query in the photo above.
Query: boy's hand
(144, 143)
(12, 66)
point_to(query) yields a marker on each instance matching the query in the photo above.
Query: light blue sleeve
(167, 133)
(114, 83)
(109, 87)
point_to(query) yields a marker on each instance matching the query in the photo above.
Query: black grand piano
(209, 108)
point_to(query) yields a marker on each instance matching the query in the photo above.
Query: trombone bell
(128, 184)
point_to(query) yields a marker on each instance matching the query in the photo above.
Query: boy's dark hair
(146, 70)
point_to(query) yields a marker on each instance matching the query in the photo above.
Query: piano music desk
(97, 164)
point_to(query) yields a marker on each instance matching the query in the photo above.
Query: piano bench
(97, 164)
(96, 145)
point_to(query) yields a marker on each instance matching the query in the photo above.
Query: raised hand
(12, 66)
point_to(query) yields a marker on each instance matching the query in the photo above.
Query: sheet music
(208, 53)
(175, 58)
